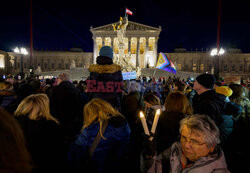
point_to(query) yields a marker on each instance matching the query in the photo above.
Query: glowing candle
(156, 118)
(144, 124)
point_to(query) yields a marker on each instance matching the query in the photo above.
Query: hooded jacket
(105, 71)
(213, 163)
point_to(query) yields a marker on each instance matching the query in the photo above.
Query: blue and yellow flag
(164, 63)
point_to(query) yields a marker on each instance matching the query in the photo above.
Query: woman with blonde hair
(42, 132)
(36, 107)
(113, 142)
(177, 106)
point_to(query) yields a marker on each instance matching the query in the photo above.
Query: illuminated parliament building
(141, 43)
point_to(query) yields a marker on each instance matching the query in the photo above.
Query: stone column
(112, 42)
(138, 52)
(95, 50)
(156, 50)
(103, 41)
(146, 49)
(129, 44)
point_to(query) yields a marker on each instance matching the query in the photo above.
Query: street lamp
(216, 53)
(22, 51)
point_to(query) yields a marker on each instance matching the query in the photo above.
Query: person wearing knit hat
(106, 51)
(206, 80)
(207, 101)
(105, 71)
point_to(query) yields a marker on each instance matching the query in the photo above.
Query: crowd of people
(61, 125)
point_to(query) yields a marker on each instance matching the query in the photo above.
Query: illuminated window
(115, 45)
(194, 67)
(133, 45)
(202, 67)
(108, 41)
(142, 45)
(151, 43)
(2, 61)
(179, 66)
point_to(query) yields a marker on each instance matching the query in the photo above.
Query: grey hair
(205, 125)
(64, 76)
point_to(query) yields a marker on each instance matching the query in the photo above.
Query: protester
(207, 101)
(239, 98)
(180, 86)
(104, 74)
(7, 94)
(108, 155)
(238, 146)
(177, 107)
(14, 156)
(152, 104)
(42, 132)
(67, 106)
(232, 110)
(197, 151)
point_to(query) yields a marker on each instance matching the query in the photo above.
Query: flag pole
(154, 72)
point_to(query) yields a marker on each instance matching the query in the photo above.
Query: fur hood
(96, 68)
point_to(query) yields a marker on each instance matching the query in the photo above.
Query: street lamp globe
(215, 52)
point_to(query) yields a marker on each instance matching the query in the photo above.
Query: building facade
(232, 63)
(51, 60)
(141, 43)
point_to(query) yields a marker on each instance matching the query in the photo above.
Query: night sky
(63, 25)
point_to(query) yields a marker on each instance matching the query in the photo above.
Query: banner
(129, 75)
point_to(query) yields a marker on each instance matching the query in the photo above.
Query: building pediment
(132, 26)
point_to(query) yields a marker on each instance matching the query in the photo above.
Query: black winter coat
(66, 105)
(168, 129)
(45, 143)
(211, 104)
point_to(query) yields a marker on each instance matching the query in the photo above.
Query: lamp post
(22, 51)
(216, 53)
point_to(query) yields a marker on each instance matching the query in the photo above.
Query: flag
(129, 12)
(164, 63)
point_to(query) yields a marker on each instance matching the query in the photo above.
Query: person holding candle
(152, 103)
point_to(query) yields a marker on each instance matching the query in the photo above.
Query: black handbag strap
(97, 139)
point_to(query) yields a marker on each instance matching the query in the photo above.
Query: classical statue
(121, 29)
(73, 64)
(38, 70)
(124, 60)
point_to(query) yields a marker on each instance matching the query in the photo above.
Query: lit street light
(216, 53)
(22, 51)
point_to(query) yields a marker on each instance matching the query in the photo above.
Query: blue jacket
(109, 152)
